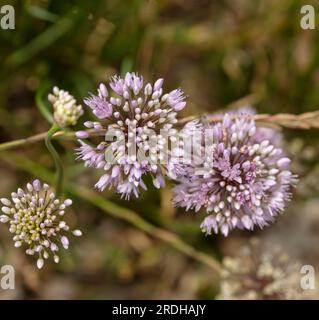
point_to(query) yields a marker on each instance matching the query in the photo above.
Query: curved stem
(56, 157)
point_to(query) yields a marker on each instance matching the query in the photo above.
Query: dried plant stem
(115, 210)
(131, 217)
(26, 141)
(308, 120)
(36, 138)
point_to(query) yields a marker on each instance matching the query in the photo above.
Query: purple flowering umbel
(247, 179)
(137, 116)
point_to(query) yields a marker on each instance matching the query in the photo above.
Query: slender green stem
(58, 165)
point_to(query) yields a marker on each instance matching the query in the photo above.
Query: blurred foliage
(218, 52)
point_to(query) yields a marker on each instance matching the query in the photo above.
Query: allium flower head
(36, 221)
(66, 112)
(261, 273)
(246, 181)
(138, 115)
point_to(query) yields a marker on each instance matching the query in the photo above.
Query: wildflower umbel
(36, 220)
(139, 116)
(66, 111)
(246, 182)
(261, 273)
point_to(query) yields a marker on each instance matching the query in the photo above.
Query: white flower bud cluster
(65, 110)
(36, 220)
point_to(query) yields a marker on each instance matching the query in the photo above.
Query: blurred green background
(219, 52)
